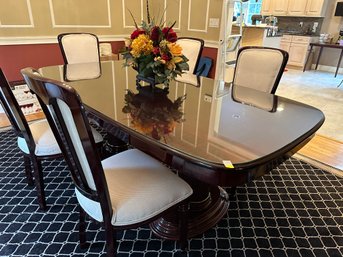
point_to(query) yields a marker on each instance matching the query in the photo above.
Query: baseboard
(327, 68)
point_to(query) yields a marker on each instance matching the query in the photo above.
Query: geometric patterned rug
(296, 210)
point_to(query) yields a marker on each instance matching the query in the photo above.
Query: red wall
(13, 58)
(212, 53)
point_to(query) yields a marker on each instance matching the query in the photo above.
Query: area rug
(296, 210)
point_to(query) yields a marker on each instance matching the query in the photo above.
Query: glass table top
(205, 119)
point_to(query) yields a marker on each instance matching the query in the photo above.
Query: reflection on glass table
(152, 113)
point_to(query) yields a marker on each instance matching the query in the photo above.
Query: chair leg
(38, 173)
(82, 228)
(183, 225)
(28, 170)
(110, 240)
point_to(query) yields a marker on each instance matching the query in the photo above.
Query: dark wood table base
(203, 215)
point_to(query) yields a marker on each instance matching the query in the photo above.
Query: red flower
(136, 33)
(169, 34)
(165, 57)
(155, 34)
(156, 50)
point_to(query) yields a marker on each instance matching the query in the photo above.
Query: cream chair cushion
(80, 48)
(190, 49)
(140, 187)
(258, 68)
(46, 143)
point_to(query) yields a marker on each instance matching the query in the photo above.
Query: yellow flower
(141, 45)
(175, 49)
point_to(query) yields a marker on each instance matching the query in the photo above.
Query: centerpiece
(153, 114)
(152, 50)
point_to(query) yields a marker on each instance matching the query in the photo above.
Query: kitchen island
(258, 35)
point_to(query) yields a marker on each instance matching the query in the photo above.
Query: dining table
(213, 134)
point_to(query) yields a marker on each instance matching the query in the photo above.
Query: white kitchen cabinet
(316, 8)
(297, 47)
(285, 46)
(313, 8)
(266, 8)
(297, 54)
(280, 7)
(297, 7)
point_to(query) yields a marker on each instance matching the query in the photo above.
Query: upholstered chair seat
(46, 143)
(138, 190)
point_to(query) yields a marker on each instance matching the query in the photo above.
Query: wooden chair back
(66, 115)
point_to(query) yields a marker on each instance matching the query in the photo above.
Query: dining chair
(79, 47)
(35, 140)
(123, 191)
(260, 68)
(192, 49)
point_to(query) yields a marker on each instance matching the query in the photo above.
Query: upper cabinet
(280, 7)
(316, 7)
(313, 8)
(297, 7)
(266, 8)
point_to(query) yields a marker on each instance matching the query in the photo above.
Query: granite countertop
(259, 26)
(299, 33)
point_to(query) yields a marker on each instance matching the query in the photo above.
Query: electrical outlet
(214, 23)
(208, 98)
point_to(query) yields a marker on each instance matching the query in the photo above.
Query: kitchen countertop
(259, 26)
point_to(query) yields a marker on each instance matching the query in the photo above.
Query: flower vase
(150, 81)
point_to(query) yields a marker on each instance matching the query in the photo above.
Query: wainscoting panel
(173, 13)
(136, 8)
(16, 14)
(67, 13)
(198, 15)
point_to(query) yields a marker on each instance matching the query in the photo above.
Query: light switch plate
(214, 23)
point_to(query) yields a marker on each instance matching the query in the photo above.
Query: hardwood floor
(4, 122)
(319, 151)
(324, 150)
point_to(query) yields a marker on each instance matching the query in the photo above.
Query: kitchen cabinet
(280, 7)
(297, 47)
(313, 8)
(297, 7)
(316, 8)
(266, 8)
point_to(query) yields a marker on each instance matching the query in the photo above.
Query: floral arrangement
(152, 51)
(154, 116)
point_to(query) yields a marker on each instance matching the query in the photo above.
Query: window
(249, 8)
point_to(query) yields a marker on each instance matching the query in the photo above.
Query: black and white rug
(297, 210)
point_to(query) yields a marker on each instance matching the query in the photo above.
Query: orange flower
(175, 49)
